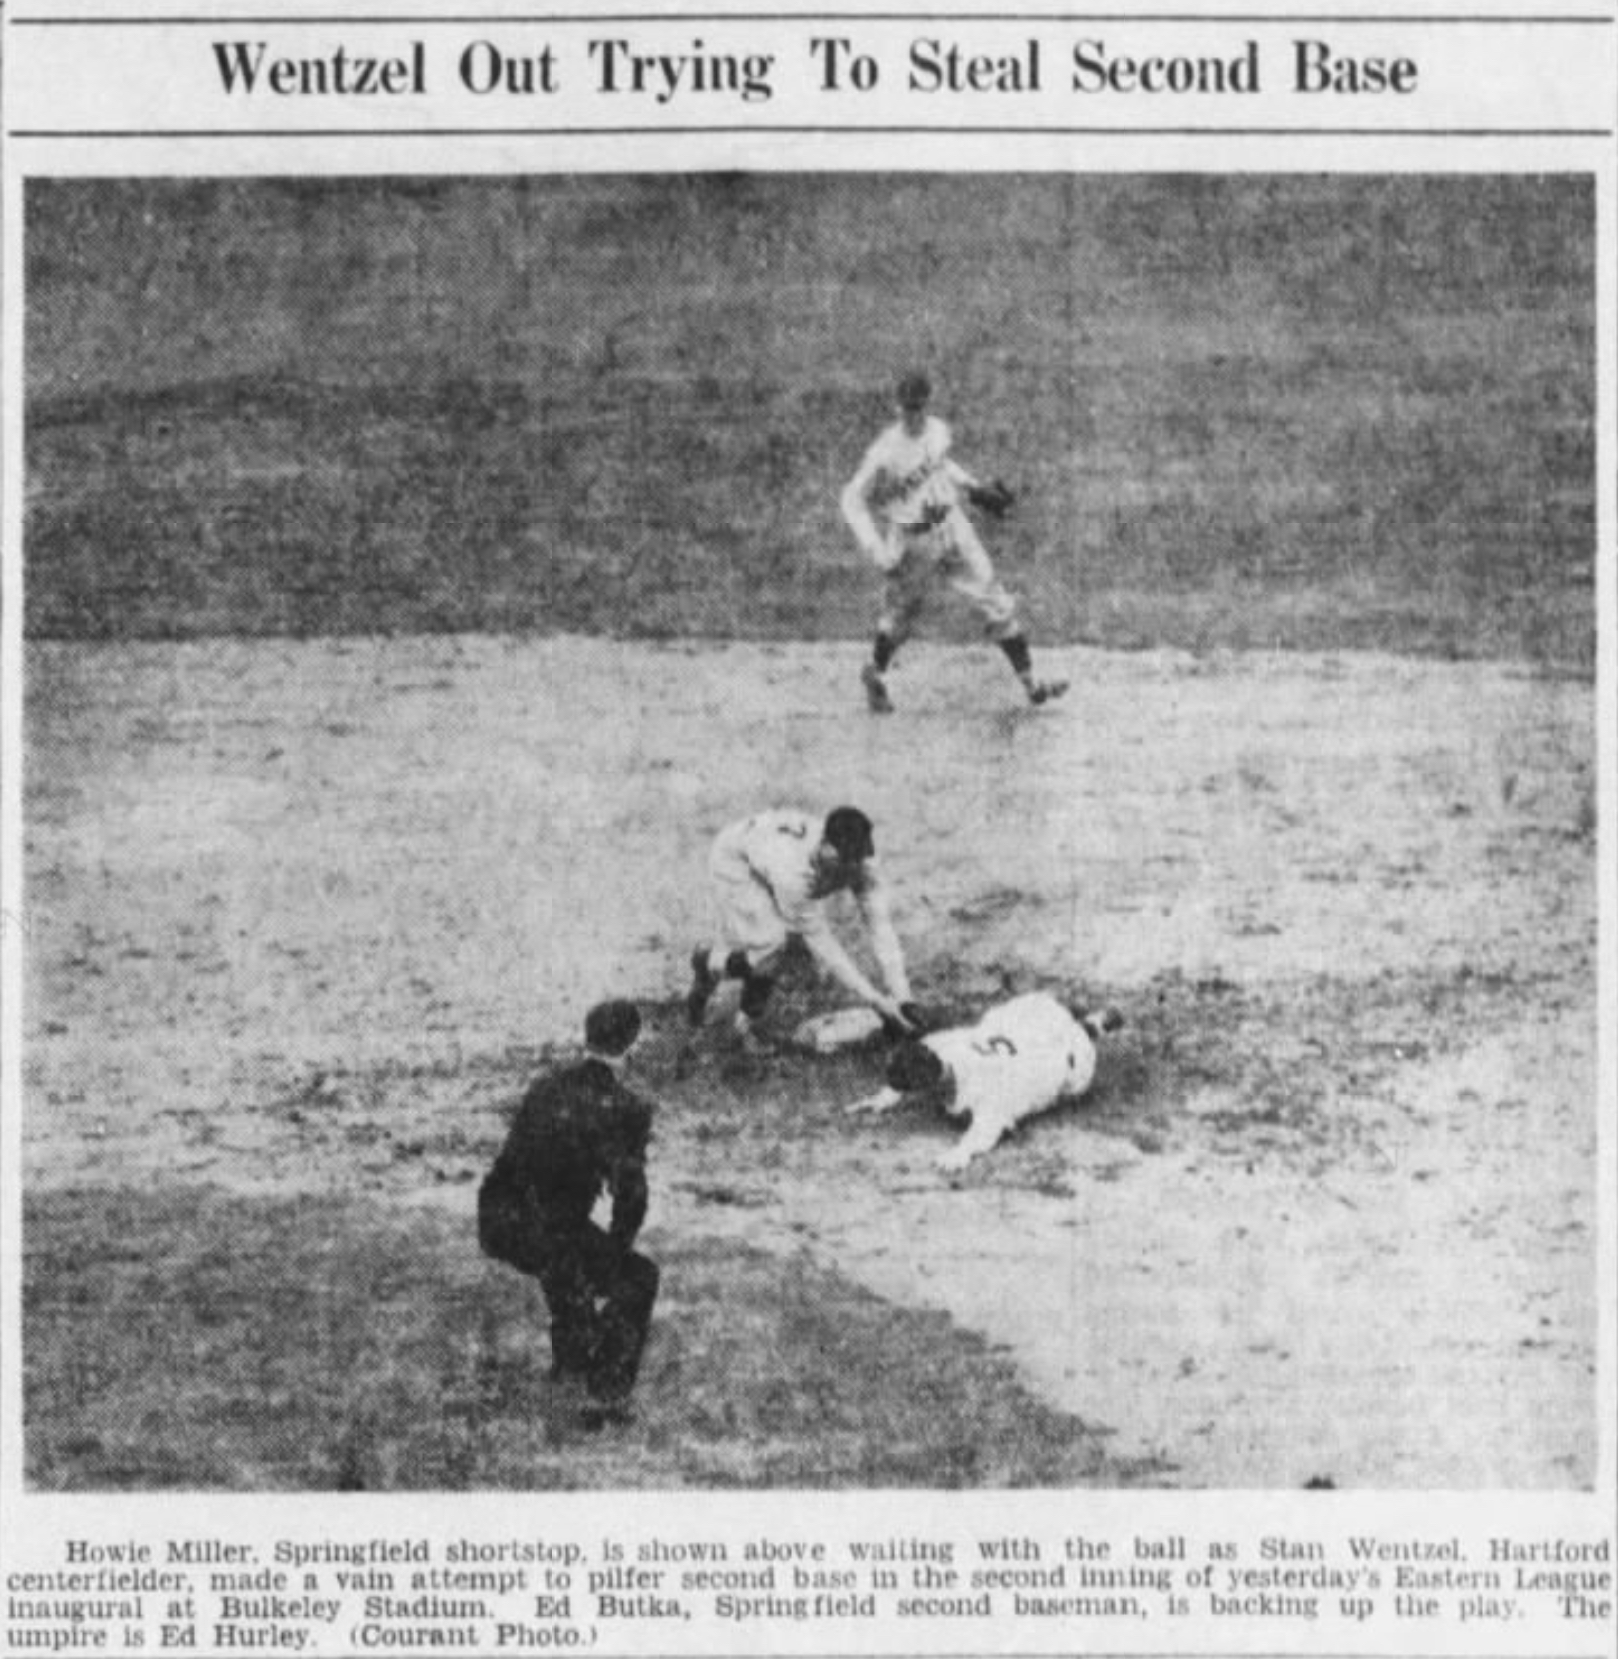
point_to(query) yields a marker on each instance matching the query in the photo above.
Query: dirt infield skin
(1331, 1211)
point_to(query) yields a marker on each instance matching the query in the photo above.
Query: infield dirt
(303, 916)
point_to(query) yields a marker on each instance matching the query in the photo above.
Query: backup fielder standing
(909, 480)
(770, 875)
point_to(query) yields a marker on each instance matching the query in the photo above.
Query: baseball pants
(950, 551)
(600, 1296)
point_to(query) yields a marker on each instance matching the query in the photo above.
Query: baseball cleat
(876, 690)
(1046, 691)
(703, 983)
(1099, 1025)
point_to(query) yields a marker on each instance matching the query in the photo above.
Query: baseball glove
(995, 498)
(918, 1022)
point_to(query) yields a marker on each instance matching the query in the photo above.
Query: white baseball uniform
(768, 885)
(913, 484)
(1020, 1058)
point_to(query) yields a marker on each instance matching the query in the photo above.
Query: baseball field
(417, 575)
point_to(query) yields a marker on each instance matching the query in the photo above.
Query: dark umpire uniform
(578, 1132)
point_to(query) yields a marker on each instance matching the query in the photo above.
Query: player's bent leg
(627, 1285)
(704, 982)
(877, 699)
(883, 649)
(755, 997)
(570, 1296)
(750, 927)
(756, 991)
(1017, 653)
(506, 1230)
(904, 592)
(977, 583)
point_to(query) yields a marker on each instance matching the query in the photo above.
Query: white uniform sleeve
(984, 1135)
(856, 507)
(884, 941)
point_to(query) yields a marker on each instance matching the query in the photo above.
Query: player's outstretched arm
(823, 945)
(873, 902)
(984, 1135)
(884, 1100)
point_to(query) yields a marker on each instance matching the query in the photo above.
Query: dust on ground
(302, 915)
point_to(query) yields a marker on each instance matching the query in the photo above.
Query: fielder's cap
(849, 832)
(610, 1027)
(914, 390)
(913, 1067)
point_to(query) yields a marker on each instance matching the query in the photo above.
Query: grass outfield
(1270, 411)
(321, 1344)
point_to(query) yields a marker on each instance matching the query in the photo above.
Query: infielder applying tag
(770, 875)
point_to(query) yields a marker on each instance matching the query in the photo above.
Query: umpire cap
(610, 1027)
(849, 831)
(914, 390)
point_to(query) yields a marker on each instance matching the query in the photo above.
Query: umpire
(578, 1132)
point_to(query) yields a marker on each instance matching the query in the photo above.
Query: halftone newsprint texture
(808, 830)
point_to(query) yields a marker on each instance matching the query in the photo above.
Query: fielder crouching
(578, 1132)
(1021, 1057)
(770, 876)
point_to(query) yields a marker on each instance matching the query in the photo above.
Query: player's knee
(639, 1280)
